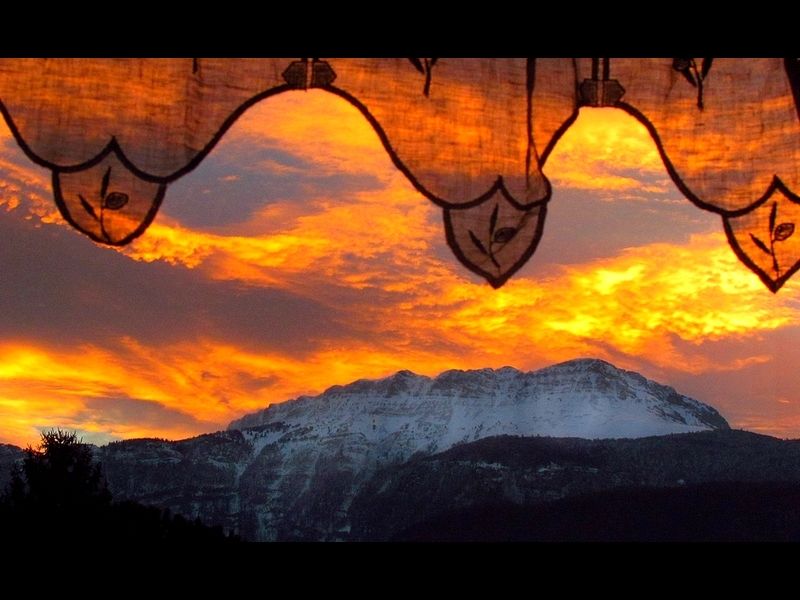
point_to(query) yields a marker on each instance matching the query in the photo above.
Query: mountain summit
(296, 470)
(586, 398)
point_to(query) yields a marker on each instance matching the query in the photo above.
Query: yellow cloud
(610, 153)
(635, 304)
(420, 309)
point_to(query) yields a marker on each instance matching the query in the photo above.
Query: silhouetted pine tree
(59, 492)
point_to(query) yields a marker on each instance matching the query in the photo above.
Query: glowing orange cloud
(634, 304)
(420, 310)
(200, 385)
(608, 152)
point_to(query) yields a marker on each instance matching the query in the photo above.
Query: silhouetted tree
(59, 492)
(59, 475)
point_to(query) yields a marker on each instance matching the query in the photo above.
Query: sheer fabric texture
(472, 135)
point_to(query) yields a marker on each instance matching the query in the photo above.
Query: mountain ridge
(294, 470)
(591, 391)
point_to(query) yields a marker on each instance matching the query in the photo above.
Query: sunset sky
(296, 257)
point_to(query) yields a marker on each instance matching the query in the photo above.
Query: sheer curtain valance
(472, 135)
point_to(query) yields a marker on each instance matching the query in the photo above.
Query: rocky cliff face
(293, 470)
(581, 398)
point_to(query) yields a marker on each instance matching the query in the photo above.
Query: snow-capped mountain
(292, 470)
(585, 398)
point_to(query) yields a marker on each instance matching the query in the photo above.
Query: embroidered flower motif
(110, 201)
(497, 239)
(694, 75)
(424, 66)
(779, 233)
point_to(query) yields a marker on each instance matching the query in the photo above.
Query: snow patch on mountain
(407, 413)
(293, 470)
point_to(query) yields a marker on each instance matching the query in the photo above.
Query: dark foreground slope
(713, 485)
(510, 488)
(710, 512)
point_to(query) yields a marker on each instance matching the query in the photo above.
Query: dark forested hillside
(511, 472)
(710, 512)
(713, 485)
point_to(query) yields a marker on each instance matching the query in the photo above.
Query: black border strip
(495, 282)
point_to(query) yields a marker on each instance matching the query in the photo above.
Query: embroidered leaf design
(684, 67)
(504, 235)
(784, 231)
(760, 244)
(478, 243)
(694, 75)
(104, 183)
(681, 64)
(706, 67)
(115, 200)
(493, 220)
(424, 66)
(772, 216)
(88, 207)
(417, 64)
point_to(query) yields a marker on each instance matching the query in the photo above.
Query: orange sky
(297, 257)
